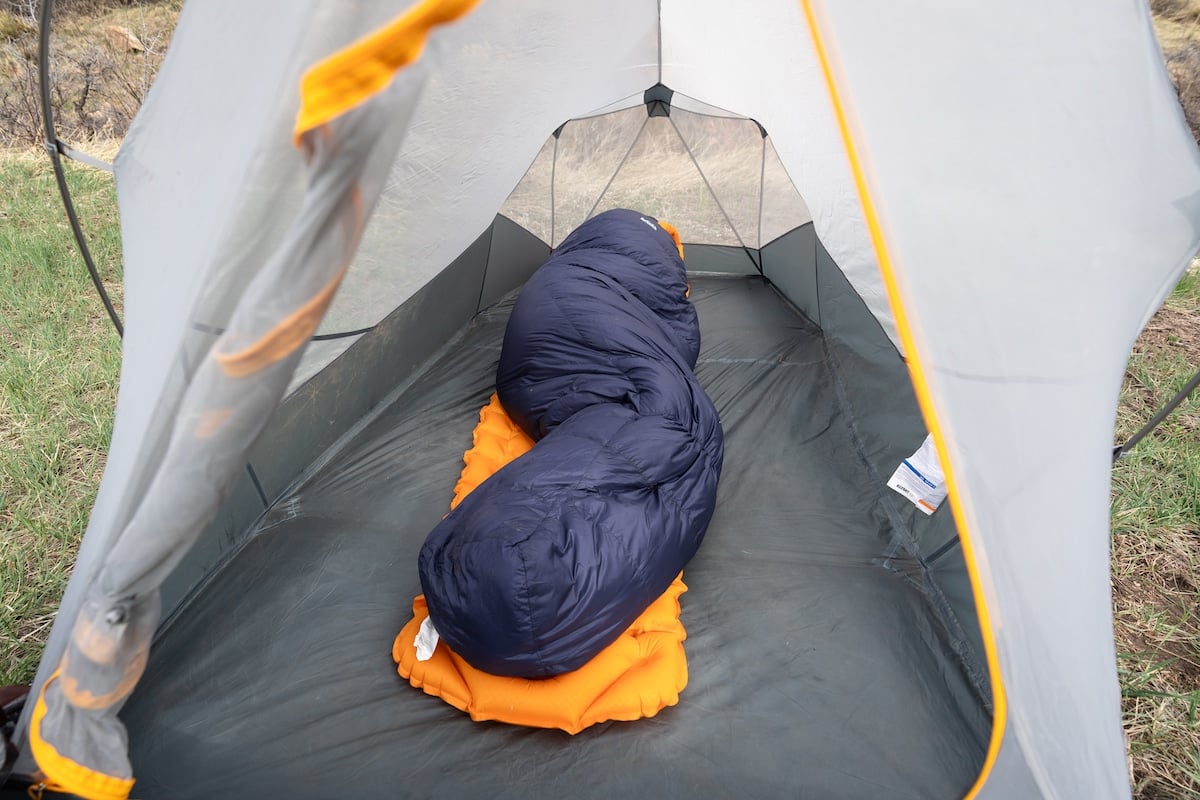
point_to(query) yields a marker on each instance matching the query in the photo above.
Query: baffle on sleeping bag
(555, 555)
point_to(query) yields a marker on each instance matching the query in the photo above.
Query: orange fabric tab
(636, 676)
(671, 229)
(62, 773)
(211, 421)
(357, 73)
(84, 698)
(294, 330)
(282, 340)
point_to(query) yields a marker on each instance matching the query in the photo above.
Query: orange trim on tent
(211, 421)
(636, 676)
(62, 773)
(283, 339)
(83, 698)
(909, 339)
(357, 73)
(295, 329)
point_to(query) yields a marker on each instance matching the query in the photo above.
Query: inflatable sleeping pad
(554, 556)
(636, 676)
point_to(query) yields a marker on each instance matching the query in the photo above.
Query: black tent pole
(1162, 414)
(60, 175)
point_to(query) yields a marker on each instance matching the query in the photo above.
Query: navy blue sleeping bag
(553, 557)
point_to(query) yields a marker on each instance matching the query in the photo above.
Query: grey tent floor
(814, 672)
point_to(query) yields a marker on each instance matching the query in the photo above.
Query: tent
(901, 219)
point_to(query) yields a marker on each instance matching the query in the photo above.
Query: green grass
(1156, 555)
(59, 360)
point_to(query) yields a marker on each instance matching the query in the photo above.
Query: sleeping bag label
(426, 640)
(919, 478)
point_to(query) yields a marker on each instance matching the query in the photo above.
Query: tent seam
(762, 179)
(712, 192)
(660, 43)
(483, 277)
(553, 176)
(617, 171)
(903, 543)
(262, 495)
(976, 567)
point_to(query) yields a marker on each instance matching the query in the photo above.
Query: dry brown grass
(1156, 506)
(1156, 556)
(1177, 25)
(99, 76)
(1157, 621)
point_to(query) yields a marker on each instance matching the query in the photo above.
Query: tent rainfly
(899, 219)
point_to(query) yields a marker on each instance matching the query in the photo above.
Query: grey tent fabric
(225, 406)
(815, 669)
(1021, 423)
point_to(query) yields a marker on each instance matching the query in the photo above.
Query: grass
(1156, 555)
(58, 373)
(99, 76)
(12, 26)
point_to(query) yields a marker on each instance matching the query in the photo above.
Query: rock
(123, 39)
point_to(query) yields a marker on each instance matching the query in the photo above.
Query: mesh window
(660, 178)
(729, 154)
(782, 206)
(530, 204)
(714, 177)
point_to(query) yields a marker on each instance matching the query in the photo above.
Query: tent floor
(815, 672)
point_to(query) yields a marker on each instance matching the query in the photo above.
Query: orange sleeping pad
(636, 676)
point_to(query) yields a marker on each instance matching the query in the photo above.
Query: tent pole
(52, 147)
(1162, 414)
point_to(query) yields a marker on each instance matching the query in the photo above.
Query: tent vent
(658, 100)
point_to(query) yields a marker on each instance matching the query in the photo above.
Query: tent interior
(832, 640)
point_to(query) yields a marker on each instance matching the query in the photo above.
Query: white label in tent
(919, 478)
(426, 640)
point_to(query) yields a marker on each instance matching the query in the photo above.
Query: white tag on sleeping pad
(919, 478)
(427, 640)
